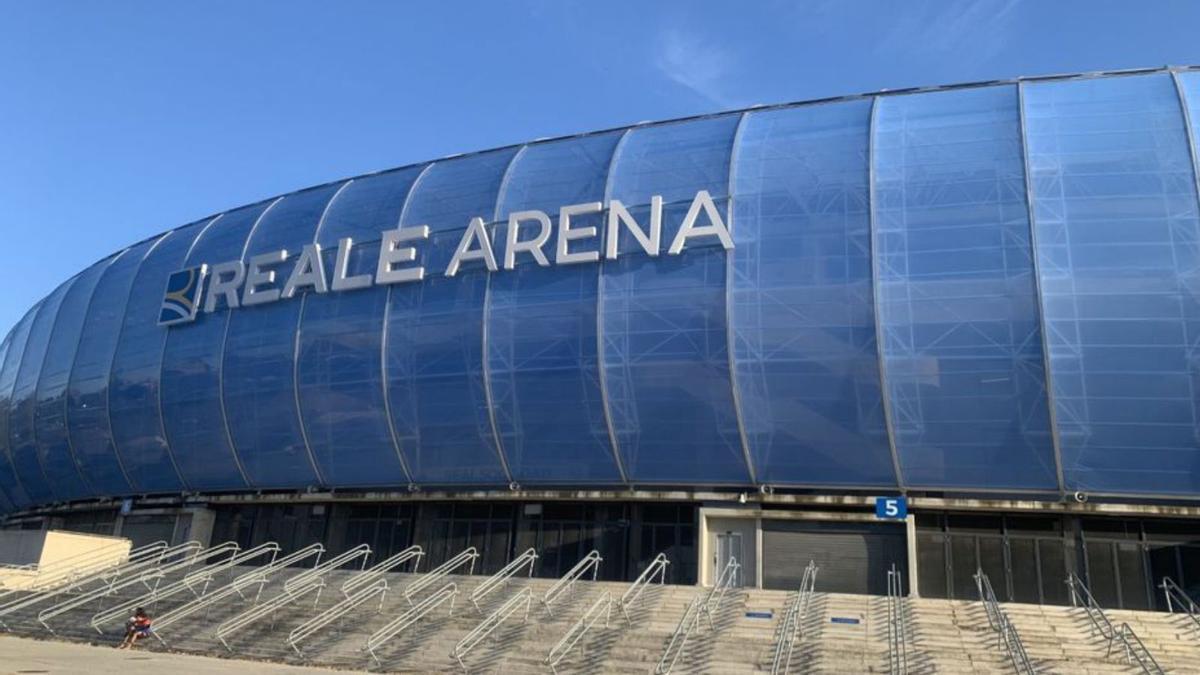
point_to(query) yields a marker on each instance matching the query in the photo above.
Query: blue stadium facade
(986, 289)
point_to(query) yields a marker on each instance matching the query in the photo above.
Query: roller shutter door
(852, 557)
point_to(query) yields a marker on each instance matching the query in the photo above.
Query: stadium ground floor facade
(1026, 547)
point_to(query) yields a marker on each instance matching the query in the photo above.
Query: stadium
(721, 337)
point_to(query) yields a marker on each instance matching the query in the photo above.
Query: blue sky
(122, 119)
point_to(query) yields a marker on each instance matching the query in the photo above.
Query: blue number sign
(891, 508)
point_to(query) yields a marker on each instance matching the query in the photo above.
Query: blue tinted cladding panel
(190, 381)
(8, 377)
(6, 498)
(542, 344)
(1117, 232)
(339, 369)
(958, 315)
(434, 349)
(22, 435)
(802, 311)
(133, 399)
(54, 446)
(666, 364)
(260, 348)
(87, 391)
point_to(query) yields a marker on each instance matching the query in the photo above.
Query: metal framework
(791, 629)
(468, 556)
(897, 623)
(1135, 650)
(318, 572)
(494, 582)
(1006, 633)
(657, 567)
(491, 623)
(687, 626)
(601, 607)
(716, 594)
(564, 585)
(240, 558)
(411, 617)
(311, 627)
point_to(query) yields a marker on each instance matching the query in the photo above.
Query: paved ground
(38, 657)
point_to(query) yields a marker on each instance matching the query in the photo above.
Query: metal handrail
(716, 594)
(490, 624)
(469, 555)
(361, 551)
(590, 562)
(1135, 650)
(529, 557)
(792, 626)
(207, 574)
(148, 556)
(101, 555)
(157, 573)
(897, 625)
(204, 602)
(1006, 633)
(658, 566)
(315, 624)
(380, 568)
(288, 596)
(685, 628)
(1177, 597)
(411, 617)
(601, 607)
(185, 584)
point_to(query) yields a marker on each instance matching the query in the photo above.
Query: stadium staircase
(840, 633)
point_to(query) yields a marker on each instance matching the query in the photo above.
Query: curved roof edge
(688, 118)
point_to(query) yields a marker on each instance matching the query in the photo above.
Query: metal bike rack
(1176, 597)
(271, 607)
(1135, 650)
(897, 623)
(601, 607)
(490, 624)
(687, 625)
(657, 567)
(791, 629)
(1006, 633)
(528, 558)
(362, 551)
(377, 570)
(315, 624)
(145, 558)
(411, 618)
(468, 556)
(590, 562)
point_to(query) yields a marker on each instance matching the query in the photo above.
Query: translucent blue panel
(666, 363)
(542, 349)
(801, 309)
(191, 381)
(54, 445)
(133, 399)
(339, 369)
(434, 356)
(22, 434)
(958, 315)
(1117, 232)
(260, 349)
(87, 392)
(8, 377)
(6, 498)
